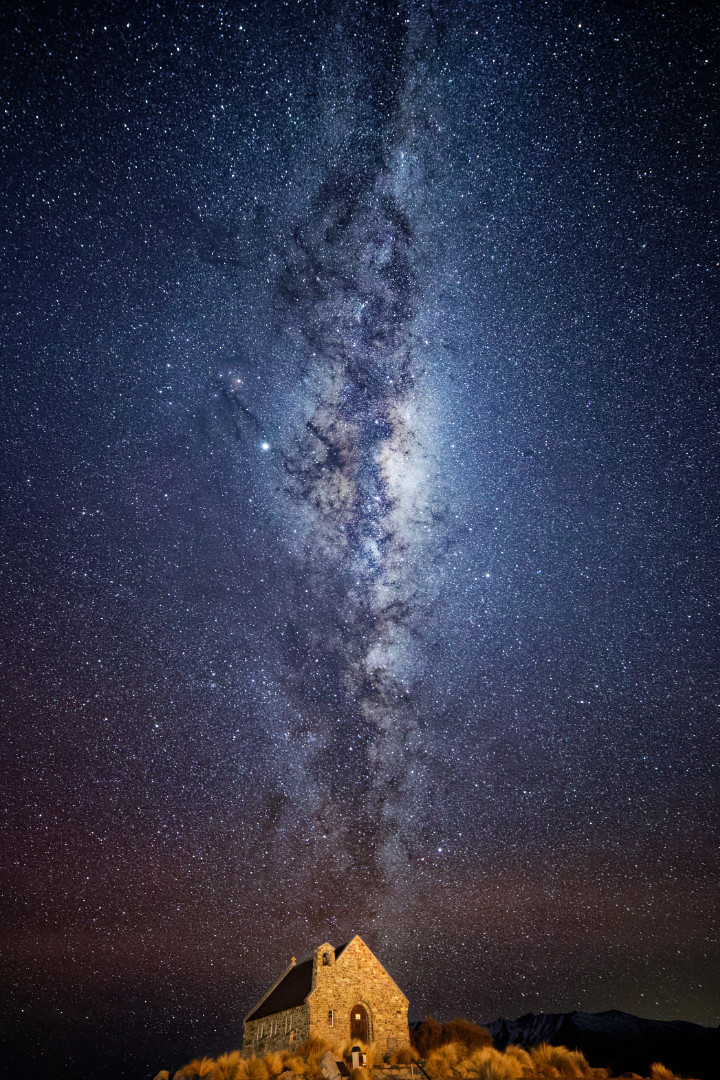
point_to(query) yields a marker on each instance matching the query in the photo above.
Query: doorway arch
(360, 1023)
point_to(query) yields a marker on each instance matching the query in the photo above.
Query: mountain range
(619, 1041)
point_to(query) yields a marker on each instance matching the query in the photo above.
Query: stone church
(344, 994)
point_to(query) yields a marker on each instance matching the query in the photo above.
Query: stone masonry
(325, 993)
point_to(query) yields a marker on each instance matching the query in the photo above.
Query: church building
(344, 994)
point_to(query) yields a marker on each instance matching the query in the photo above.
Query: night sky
(360, 545)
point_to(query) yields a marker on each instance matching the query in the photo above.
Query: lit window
(331, 1018)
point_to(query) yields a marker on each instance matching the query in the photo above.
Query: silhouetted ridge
(619, 1041)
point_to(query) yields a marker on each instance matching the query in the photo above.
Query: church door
(359, 1023)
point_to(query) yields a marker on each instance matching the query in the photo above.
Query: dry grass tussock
(275, 1064)
(557, 1061)
(293, 1062)
(197, 1069)
(487, 1063)
(441, 1062)
(521, 1057)
(313, 1046)
(658, 1071)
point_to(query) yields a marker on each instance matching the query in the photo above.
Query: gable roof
(291, 990)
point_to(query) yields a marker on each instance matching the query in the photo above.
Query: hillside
(619, 1041)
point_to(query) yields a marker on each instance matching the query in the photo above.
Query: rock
(328, 1066)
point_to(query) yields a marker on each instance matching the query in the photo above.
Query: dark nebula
(360, 542)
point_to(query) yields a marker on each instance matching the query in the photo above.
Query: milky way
(358, 468)
(360, 554)
(356, 471)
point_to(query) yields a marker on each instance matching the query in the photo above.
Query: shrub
(471, 1035)
(404, 1056)
(426, 1036)
(429, 1035)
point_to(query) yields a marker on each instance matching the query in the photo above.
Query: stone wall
(356, 976)
(277, 1031)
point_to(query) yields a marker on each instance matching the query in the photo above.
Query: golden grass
(274, 1063)
(557, 1061)
(441, 1061)
(658, 1071)
(256, 1068)
(520, 1055)
(197, 1069)
(292, 1062)
(453, 1060)
(487, 1063)
(314, 1046)
(229, 1067)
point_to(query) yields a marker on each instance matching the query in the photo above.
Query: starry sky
(359, 552)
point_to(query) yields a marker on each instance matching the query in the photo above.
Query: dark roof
(292, 989)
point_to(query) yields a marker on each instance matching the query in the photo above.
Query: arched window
(326, 959)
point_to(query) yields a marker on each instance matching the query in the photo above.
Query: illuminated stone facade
(344, 994)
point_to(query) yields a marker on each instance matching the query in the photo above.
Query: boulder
(328, 1066)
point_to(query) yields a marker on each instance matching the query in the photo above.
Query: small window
(287, 1022)
(331, 1018)
(326, 959)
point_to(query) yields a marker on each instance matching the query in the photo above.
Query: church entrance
(359, 1023)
